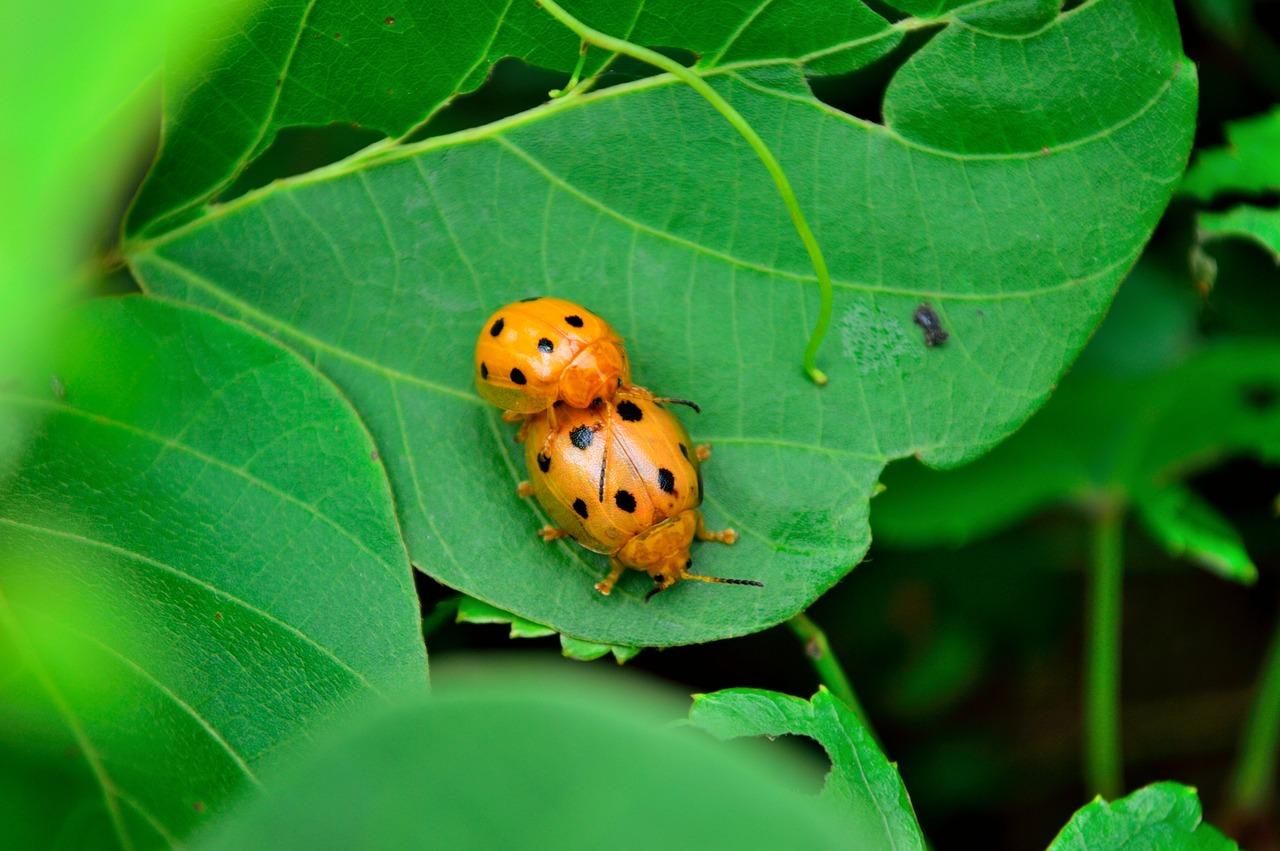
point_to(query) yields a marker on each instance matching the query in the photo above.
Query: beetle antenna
(720, 580)
(685, 402)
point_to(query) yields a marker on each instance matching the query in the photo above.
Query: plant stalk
(830, 672)
(617, 45)
(1103, 761)
(1254, 776)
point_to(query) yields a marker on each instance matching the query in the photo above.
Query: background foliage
(214, 488)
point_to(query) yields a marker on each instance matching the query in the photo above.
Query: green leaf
(1188, 526)
(639, 202)
(1110, 435)
(1255, 223)
(471, 610)
(863, 786)
(305, 63)
(1154, 818)
(509, 758)
(576, 648)
(77, 89)
(199, 563)
(1247, 164)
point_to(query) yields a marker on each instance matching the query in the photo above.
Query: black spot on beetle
(581, 508)
(684, 450)
(625, 501)
(544, 462)
(531, 298)
(496, 328)
(517, 376)
(1260, 397)
(582, 436)
(574, 320)
(545, 346)
(630, 411)
(698, 473)
(927, 318)
(666, 480)
(484, 371)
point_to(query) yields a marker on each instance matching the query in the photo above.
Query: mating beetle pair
(614, 469)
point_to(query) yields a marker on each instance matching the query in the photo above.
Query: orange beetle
(541, 350)
(642, 511)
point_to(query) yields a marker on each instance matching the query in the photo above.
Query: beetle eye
(688, 563)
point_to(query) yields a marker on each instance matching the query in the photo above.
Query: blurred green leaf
(508, 757)
(1187, 526)
(1158, 817)
(1255, 223)
(471, 610)
(199, 563)
(1108, 436)
(78, 87)
(639, 202)
(1247, 164)
(863, 786)
(299, 63)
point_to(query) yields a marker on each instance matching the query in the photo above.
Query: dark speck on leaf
(373, 456)
(390, 21)
(926, 318)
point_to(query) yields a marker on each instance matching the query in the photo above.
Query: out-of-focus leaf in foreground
(506, 757)
(1016, 179)
(182, 547)
(863, 786)
(1158, 817)
(77, 90)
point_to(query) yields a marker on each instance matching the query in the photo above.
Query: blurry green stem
(1102, 755)
(830, 673)
(443, 611)
(1254, 775)
(607, 42)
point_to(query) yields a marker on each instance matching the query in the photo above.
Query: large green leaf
(199, 562)
(513, 758)
(640, 202)
(1155, 818)
(863, 786)
(300, 62)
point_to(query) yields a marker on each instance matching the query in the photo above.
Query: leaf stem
(1254, 774)
(830, 672)
(574, 77)
(444, 610)
(607, 42)
(1102, 755)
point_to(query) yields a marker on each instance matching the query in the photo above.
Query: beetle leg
(606, 585)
